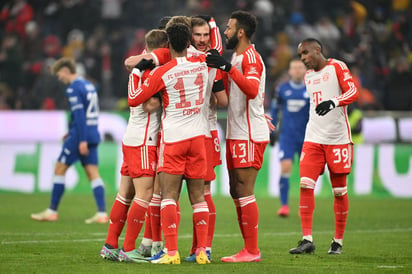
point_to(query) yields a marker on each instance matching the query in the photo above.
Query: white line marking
(184, 236)
(390, 266)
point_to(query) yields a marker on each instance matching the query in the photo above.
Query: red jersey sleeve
(137, 94)
(161, 56)
(215, 37)
(349, 91)
(249, 81)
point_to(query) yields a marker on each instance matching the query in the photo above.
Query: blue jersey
(293, 101)
(84, 111)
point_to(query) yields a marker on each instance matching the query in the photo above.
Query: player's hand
(145, 64)
(214, 60)
(269, 122)
(274, 136)
(324, 107)
(83, 149)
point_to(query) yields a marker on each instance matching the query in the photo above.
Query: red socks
(118, 216)
(212, 218)
(168, 213)
(249, 222)
(135, 220)
(154, 209)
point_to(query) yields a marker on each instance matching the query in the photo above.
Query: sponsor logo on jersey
(73, 99)
(316, 81)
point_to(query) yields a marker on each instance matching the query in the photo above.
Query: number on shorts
(217, 144)
(342, 155)
(242, 149)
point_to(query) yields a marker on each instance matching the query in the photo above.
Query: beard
(232, 42)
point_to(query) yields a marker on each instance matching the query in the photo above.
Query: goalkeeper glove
(145, 64)
(214, 60)
(324, 107)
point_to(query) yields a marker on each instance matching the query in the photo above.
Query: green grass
(378, 238)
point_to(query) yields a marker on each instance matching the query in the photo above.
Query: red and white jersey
(333, 82)
(246, 87)
(143, 127)
(183, 81)
(215, 38)
(162, 56)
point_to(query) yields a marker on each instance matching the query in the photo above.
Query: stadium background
(373, 37)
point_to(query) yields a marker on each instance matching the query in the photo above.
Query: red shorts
(314, 157)
(210, 167)
(186, 158)
(139, 161)
(244, 153)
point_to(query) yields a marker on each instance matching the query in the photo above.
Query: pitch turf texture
(378, 238)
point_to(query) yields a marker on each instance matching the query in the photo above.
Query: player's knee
(340, 191)
(306, 182)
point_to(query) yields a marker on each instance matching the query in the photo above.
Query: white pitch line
(185, 236)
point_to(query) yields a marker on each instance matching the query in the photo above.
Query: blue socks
(284, 190)
(57, 191)
(99, 196)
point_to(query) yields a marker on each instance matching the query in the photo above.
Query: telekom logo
(317, 97)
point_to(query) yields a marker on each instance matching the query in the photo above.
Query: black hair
(313, 40)
(163, 21)
(179, 36)
(246, 21)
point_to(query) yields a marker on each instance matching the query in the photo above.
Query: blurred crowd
(374, 37)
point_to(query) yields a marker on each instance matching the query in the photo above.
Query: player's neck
(242, 46)
(322, 64)
(174, 54)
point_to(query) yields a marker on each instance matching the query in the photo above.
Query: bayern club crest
(325, 77)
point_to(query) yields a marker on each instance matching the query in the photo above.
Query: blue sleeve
(77, 108)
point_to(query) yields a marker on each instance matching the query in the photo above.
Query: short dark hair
(313, 40)
(246, 21)
(179, 36)
(163, 21)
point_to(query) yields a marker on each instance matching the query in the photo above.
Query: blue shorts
(70, 153)
(288, 147)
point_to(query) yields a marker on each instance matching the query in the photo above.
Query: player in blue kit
(80, 143)
(291, 107)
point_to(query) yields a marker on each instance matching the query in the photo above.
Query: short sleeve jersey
(84, 111)
(332, 82)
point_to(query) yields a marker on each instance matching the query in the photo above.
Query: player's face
(231, 34)
(297, 70)
(309, 53)
(63, 75)
(201, 37)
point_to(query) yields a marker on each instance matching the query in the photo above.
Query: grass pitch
(378, 238)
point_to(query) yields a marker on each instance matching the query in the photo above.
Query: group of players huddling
(174, 89)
